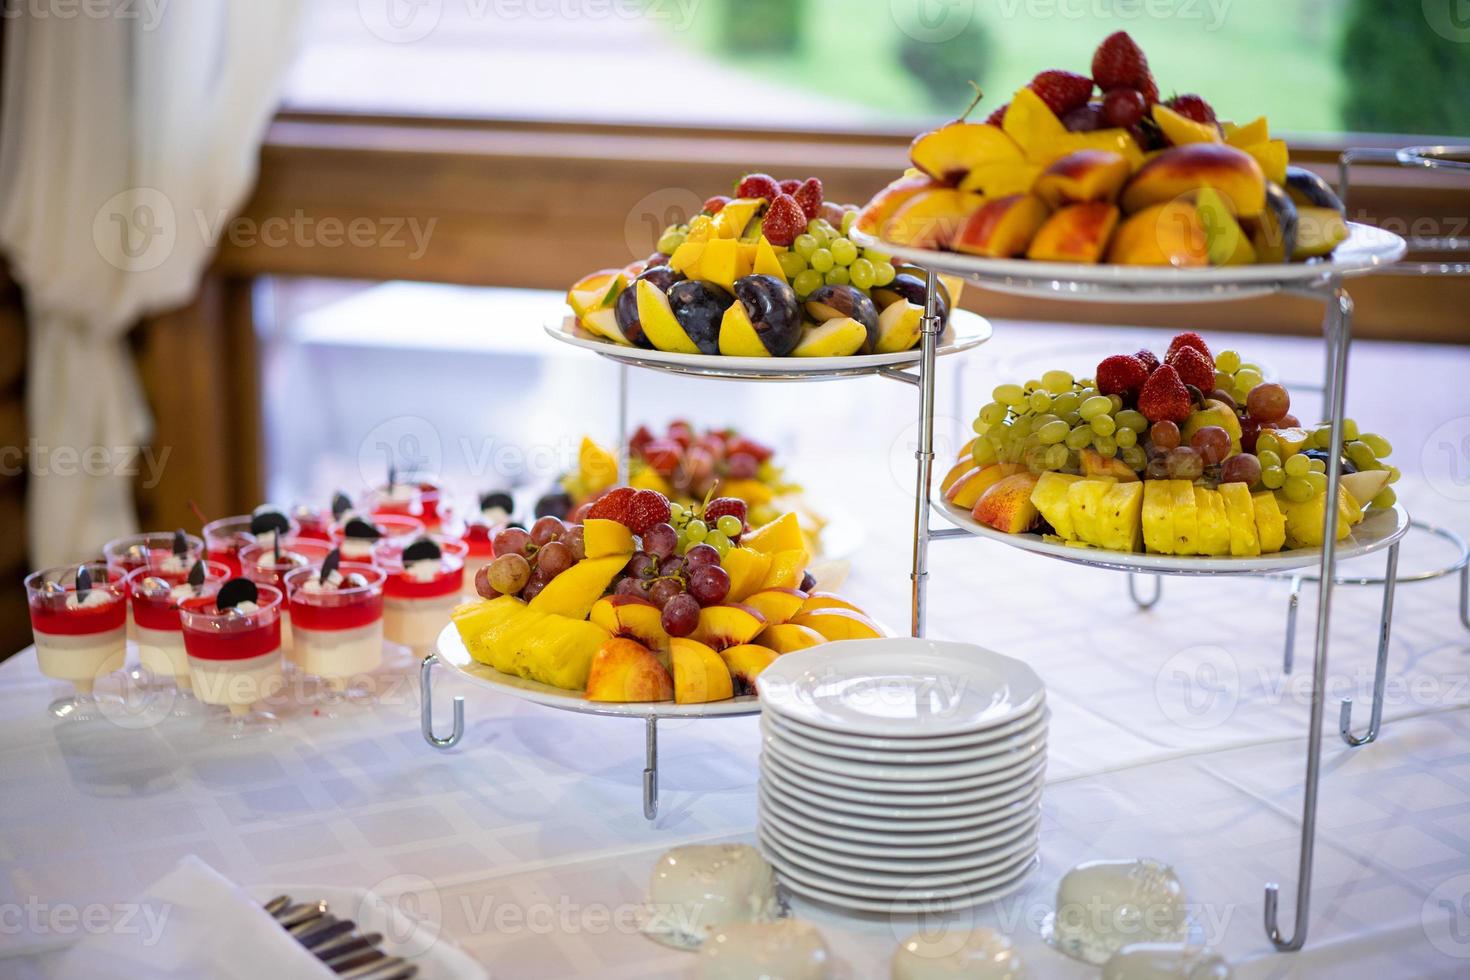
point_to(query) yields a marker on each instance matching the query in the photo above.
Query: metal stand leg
(1133, 591)
(622, 446)
(1465, 596)
(426, 708)
(929, 342)
(650, 769)
(1380, 673)
(1339, 335)
(1288, 656)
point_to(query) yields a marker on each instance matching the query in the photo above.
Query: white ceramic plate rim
(918, 786)
(933, 906)
(1380, 528)
(961, 887)
(890, 848)
(988, 808)
(916, 744)
(901, 773)
(965, 331)
(890, 837)
(1011, 743)
(452, 652)
(959, 860)
(786, 685)
(836, 821)
(851, 874)
(943, 794)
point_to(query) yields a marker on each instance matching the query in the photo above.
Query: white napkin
(192, 923)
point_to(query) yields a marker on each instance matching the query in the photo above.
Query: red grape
(546, 529)
(1156, 469)
(663, 590)
(1183, 463)
(709, 584)
(661, 540)
(511, 541)
(680, 615)
(554, 558)
(1123, 107)
(701, 554)
(641, 565)
(482, 583)
(534, 586)
(632, 586)
(1241, 468)
(743, 466)
(1267, 402)
(1212, 443)
(507, 574)
(573, 539)
(1288, 421)
(1221, 395)
(1249, 430)
(671, 565)
(1164, 435)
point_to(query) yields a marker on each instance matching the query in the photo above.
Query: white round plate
(890, 850)
(898, 808)
(899, 687)
(952, 886)
(836, 821)
(916, 907)
(903, 774)
(808, 735)
(984, 750)
(1379, 528)
(904, 878)
(964, 331)
(908, 795)
(917, 785)
(452, 652)
(1366, 249)
(1006, 841)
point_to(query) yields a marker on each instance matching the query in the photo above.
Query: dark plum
(829, 302)
(699, 307)
(911, 287)
(773, 310)
(626, 308)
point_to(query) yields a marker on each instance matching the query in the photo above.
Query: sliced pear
(766, 261)
(604, 323)
(737, 334)
(686, 259)
(1364, 485)
(659, 325)
(838, 337)
(899, 326)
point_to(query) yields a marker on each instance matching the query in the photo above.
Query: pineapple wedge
(1050, 498)
(1158, 522)
(1119, 525)
(1214, 526)
(1270, 522)
(1185, 516)
(1305, 521)
(1085, 504)
(1244, 539)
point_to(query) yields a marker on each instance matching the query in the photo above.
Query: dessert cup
(224, 538)
(263, 566)
(390, 527)
(420, 592)
(338, 625)
(80, 628)
(154, 594)
(423, 500)
(477, 537)
(235, 656)
(154, 549)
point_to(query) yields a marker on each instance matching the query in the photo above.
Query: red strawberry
(1193, 107)
(681, 432)
(747, 445)
(721, 506)
(1165, 397)
(758, 185)
(809, 196)
(1148, 359)
(613, 505)
(647, 508)
(998, 117)
(663, 456)
(784, 220)
(1194, 368)
(716, 204)
(1120, 63)
(1149, 88)
(1190, 339)
(789, 186)
(640, 438)
(1121, 374)
(1062, 90)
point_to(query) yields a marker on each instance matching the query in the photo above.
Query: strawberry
(647, 508)
(716, 204)
(1165, 397)
(784, 220)
(613, 505)
(758, 185)
(1149, 88)
(998, 117)
(1121, 374)
(790, 186)
(1193, 107)
(1190, 339)
(721, 506)
(809, 196)
(1193, 367)
(640, 438)
(1062, 90)
(747, 445)
(1148, 359)
(681, 432)
(1120, 63)
(663, 456)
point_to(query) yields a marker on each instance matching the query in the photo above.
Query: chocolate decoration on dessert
(498, 498)
(424, 549)
(196, 576)
(329, 564)
(341, 504)
(359, 528)
(392, 477)
(266, 519)
(181, 543)
(236, 591)
(84, 583)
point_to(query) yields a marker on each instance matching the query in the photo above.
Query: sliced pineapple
(1214, 526)
(1185, 516)
(1244, 539)
(1158, 521)
(1050, 498)
(1085, 504)
(1270, 522)
(1120, 526)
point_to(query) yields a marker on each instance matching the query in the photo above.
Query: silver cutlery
(337, 943)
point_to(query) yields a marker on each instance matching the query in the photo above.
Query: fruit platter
(1095, 179)
(758, 278)
(645, 607)
(1139, 467)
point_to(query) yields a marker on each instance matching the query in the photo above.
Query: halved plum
(773, 311)
(911, 287)
(699, 307)
(832, 302)
(626, 307)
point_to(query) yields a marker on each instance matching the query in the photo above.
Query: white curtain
(125, 133)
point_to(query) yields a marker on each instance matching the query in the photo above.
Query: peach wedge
(699, 673)
(840, 624)
(745, 662)
(728, 625)
(789, 637)
(625, 670)
(776, 605)
(631, 617)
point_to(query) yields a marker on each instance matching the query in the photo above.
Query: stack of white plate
(901, 775)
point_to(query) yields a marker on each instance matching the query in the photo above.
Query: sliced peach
(1095, 464)
(1171, 233)
(953, 151)
(1182, 169)
(932, 218)
(1082, 176)
(787, 568)
(782, 534)
(1003, 227)
(967, 490)
(776, 605)
(876, 212)
(745, 662)
(625, 670)
(747, 569)
(827, 600)
(602, 538)
(728, 625)
(1007, 505)
(840, 624)
(789, 637)
(1076, 233)
(631, 617)
(965, 466)
(699, 673)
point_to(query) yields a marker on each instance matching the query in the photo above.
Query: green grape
(1380, 446)
(1057, 382)
(1134, 456)
(1039, 401)
(1224, 381)
(1106, 445)
(1247, 378)
(696, 530)
(1385, 498)
(837, 276)
(1267, 457)
(676, 513)
(1012, 395)
(1095, 406)
(717, 537)
(1349, 430)
(1033, 385)
(883, 273)
(984, 452)
(980, 426)
(1297, 489)
(1297, 465)
(1126, 437)
(670, 240)
(1103, 425)
(849, 218)
(1023, 427)
(1117, 402)
(1131, 419)
(1393, 474)
(1317, 465)
(822, 260)
(876, 257)
(729, 525)
(1266, 442)
(1037, 421)
(1086, 383)
(1053, 432)
(1228, 361)
(792, 264)
(1066, 403)
(1322, 437)
(1056, 457)
(844, 251)
(1273, 477)
(1317, 481)
(993, 413)
(1252, 366)
(1035, 459)
(1080, 437)
(1072, 418)
(804, 246)
(861, 273)
(826, 226)
(807, 282)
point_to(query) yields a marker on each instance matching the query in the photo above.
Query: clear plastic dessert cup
(79, 619)
(235, 656)
(224, 538)
(155, 592)
(419, 595)
(424, 500)
(391, 527)
(154, 549)
(263, 566)
(338, 625)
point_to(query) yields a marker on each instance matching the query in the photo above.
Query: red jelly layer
(228, 557)
(360, 610)
(51, 616)
(156, 614)
(400, 586)
(237, 644)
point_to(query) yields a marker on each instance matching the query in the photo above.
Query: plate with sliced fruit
(1186, 463)
(1091, 187)
(632, 611)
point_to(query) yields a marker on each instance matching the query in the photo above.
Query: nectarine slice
(1082, 176)
(727, 625)
(624, 670)
(1076, 233)
(776, 605)
(745, 662)
(827, 600)
(840, 624)
(789, 637)
(699, 673)
(631, 617)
